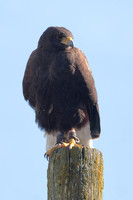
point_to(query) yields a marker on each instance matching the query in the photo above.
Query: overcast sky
(103, 30)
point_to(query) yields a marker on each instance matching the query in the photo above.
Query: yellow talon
(71, 144)
(56, 147)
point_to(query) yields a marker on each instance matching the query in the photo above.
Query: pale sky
(103, 30)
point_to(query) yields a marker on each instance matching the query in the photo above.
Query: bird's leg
(60, 143)
(73, 139)
(60, 138)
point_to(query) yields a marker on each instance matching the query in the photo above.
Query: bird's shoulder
(86, 73)
(81, 60)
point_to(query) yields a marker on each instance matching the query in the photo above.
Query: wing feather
(89, 93)
(31, 77)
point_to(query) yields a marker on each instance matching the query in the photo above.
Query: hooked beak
(68, 41)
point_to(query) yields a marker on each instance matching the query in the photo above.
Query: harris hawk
(59, 86)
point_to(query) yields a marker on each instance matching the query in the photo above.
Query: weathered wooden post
(75, 174)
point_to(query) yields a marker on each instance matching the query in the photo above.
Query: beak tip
(70, 43)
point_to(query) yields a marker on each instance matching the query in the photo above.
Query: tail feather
(94, 118)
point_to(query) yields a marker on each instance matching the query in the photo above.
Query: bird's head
(56, 37)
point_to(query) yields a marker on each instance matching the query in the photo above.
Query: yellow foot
(56, 147)
(72, 144)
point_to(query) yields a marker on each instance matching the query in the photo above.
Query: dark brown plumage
(59, 85)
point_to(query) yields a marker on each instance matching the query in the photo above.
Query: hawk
(59, 86)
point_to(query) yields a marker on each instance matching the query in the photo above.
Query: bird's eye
(59, 37)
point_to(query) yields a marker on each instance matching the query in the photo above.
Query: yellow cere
(65, 40)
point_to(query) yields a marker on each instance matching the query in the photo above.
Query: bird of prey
(59, 86)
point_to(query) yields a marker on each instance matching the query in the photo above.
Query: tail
(94, 119)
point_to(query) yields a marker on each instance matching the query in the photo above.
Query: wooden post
(75, 174)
